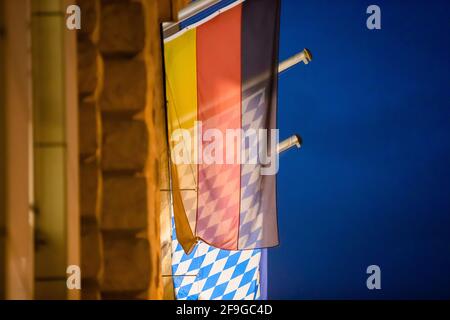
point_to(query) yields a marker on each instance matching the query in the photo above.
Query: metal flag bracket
(304, 56)
(293, 141)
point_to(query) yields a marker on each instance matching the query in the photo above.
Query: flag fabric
(221, 75)
(208, 273)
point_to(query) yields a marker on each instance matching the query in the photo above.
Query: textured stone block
(127, 264)
(90, 12)
(88, 60)
(125, 145)
(89, 179)
(124, 203)
(165, 235)
(122, 27)
(91, 259)
(87, 129)
(164, 10)
(125, 85)
(168, 10)
(90, 290)
(163, 172)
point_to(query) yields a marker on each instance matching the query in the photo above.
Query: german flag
(221, 79)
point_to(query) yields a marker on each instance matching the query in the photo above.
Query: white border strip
(195, 25)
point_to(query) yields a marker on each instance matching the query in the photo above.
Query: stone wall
(122, 143)
(2, 157)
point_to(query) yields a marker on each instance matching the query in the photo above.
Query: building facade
(83, 150)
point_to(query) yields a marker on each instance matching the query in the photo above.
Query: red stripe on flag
(219, 108)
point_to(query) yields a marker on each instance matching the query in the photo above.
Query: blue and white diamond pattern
(208, 273)
(254, 114)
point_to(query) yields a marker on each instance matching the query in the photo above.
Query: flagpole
(293, 141)
(304, 56)
(189, 11)
(195, 7)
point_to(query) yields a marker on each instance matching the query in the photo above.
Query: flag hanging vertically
(208, 273)
(221, 77)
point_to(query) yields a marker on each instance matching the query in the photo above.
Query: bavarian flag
(221, 92)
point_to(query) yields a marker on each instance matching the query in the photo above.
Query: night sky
(371, 184)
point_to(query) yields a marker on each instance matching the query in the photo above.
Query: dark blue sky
(372, 183)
